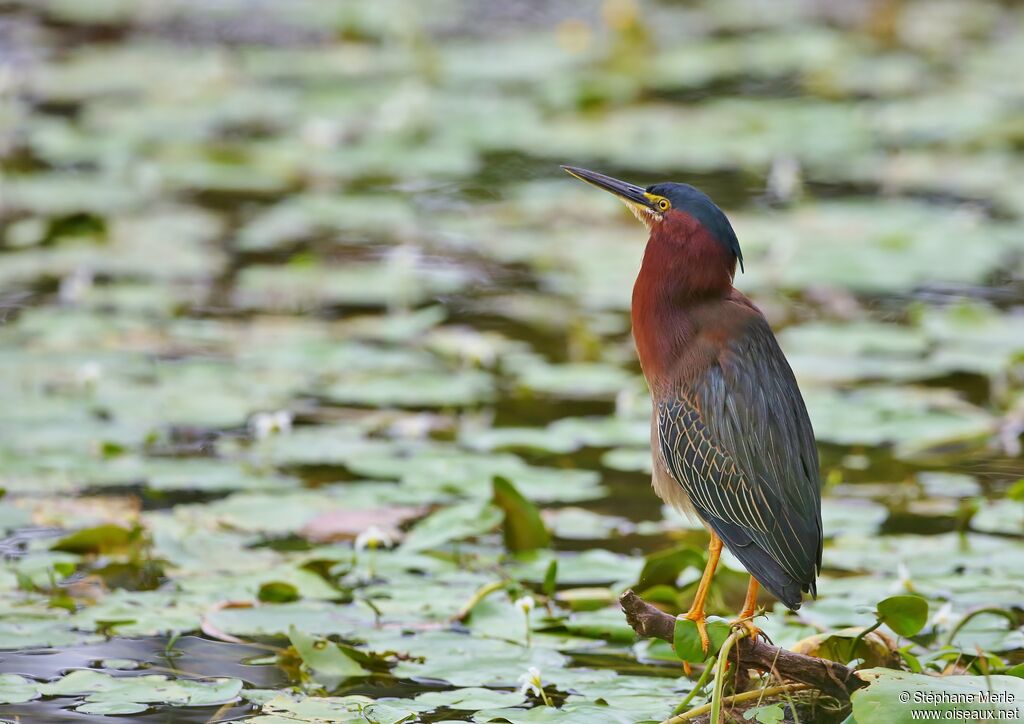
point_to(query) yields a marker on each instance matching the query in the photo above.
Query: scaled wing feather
(739, 441)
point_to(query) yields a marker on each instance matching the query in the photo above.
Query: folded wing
(739, 441)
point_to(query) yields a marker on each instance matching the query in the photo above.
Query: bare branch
(830, 677)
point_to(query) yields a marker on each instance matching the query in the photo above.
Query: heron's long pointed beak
(628, 192)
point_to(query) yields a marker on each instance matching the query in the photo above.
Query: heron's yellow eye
(663, 204)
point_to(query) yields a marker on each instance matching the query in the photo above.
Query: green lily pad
(831, 353)
(100, 688)
(101, 539)
(452, 523)
(872, 246)
(471, 698)
(910, 419)
(893, 695)
(906, 615)
(607, 624)
(582, 524)
(584, 380)
(278, 592)
(16, 689)
(328, 662)
(285, 708)
(974, 337)
(302, 217)
(422, 389)
(1000, 516)
(403, 281)
(315, 618)
(687, 643)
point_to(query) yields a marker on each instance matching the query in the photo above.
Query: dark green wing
(739, 441)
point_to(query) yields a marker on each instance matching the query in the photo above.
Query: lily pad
(912, 420)
(328, 662)
(906, 615)
(452, 523)
(404, 280)
(100, 688)
(320, 710)
(881, 701)
(16, 689)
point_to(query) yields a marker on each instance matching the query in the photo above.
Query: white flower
(416, 427)
(531, 682)
(525, 604)
(264, 424)
(88, 374)
(785, 180)
(320, 132)
(373, 537)
(903, 574)
(470, 346)
(74, 286)
(944, 616)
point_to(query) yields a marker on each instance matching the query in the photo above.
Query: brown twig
(737, 699)
(830, 677)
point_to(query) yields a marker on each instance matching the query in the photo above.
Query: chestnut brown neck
(683, 267)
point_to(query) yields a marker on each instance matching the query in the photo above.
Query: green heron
(730, 434)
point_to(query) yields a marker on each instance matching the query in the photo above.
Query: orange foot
(753, 632)
(699, 618)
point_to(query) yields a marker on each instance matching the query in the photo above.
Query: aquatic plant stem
(481, 593)
(723, 661)
(994, 610)
(704, 676)
(860, 637)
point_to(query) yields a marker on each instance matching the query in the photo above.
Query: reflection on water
(189, 656)
(186, 657)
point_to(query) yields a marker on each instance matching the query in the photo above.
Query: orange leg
(696, 612)
(749, 607)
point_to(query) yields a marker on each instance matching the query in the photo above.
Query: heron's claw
(753, 631)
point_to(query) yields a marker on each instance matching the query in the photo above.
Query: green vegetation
(318, 401)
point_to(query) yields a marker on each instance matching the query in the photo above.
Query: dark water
(185, 657)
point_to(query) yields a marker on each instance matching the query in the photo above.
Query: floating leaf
(132, 691)
(278, 592)
(464, 520)
(318, 710)
(686, 638)
(906, 615)
(16, 689)
(329, 663)
(471, 698)
(108, 708)
(898, 697)
(770, 714)
(107, 538)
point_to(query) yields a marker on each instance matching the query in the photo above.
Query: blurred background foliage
(275, 276)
